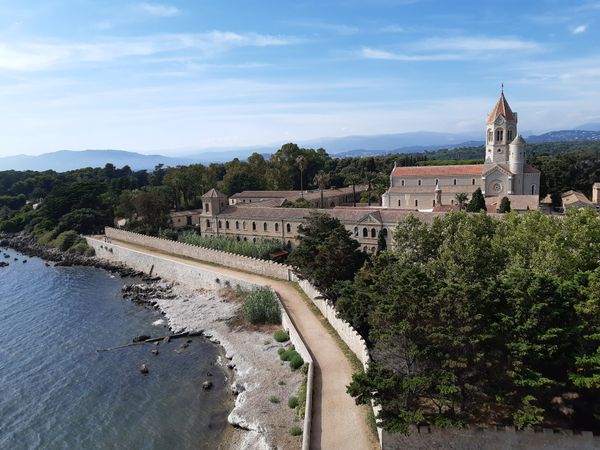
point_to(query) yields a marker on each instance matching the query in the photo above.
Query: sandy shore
(256, 374)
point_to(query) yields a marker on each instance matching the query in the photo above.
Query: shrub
(261, 249)
(90, 252)
(66, 240)
(261, 306)
(288, 355)
(274, 399)
(296, 361)
(281, 336)
(280, 351)
(295, 431)
(293, 402)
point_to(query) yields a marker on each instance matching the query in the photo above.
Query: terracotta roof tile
(502, 108)
(432, 171)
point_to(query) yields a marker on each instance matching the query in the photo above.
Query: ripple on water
(56, 391)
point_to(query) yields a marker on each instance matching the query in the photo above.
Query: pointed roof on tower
(502, 108)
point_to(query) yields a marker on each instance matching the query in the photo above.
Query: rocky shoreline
(255, 370)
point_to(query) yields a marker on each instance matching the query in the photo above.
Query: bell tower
(501, 130)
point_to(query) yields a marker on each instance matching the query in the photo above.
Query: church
(504, 173)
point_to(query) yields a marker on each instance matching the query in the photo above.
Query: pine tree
(504, 206)
(477, 202)
(381, 242)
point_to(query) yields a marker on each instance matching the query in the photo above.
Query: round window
(497, 187)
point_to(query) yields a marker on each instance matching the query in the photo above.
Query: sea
(58, 392)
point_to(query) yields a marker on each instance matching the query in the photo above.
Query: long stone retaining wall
(201, 278)
(245, 263)
(429, 438)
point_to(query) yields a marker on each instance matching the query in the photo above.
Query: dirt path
(337, 423)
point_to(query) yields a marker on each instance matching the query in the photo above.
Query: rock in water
(155, 352)
(141, 338)
(207, 385)
(144, 369)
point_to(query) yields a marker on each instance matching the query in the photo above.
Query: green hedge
(261, 249)
(261, 306)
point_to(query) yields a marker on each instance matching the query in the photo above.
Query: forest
(48, 204)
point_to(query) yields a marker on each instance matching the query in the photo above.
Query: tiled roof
(314, 194)
(501, 109)
(517, 202)
(571, 197)
(431, 189)
(433, 171)
(188, 212)
(214, 193)
(271, 202)
(266, 194)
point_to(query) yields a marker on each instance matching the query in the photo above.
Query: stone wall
(201, 278)
(428, 438)
(245, 263)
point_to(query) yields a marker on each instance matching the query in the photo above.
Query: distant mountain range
(340, 147)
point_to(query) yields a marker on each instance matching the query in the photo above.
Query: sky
(178, 76)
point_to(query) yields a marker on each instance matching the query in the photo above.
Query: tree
(477, 202)
(461, 200)
(381, 242)
(321, 180)
(504, 205)
(326, 253)
(301, 161)
(352, 179)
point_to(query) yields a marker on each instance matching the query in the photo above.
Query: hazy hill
(68, 160)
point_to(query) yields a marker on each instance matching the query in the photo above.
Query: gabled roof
(373, 216)
(441, 171)
(502, 108)
(213, 193)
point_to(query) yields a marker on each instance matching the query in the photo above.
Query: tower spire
(502, 89)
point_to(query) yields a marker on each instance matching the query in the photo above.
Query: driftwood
(152, 340)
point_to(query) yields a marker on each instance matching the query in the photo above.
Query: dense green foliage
(281, 336)
(326, 253)
(477, 202)
(261, 306)
(261, 249)
(473, 319)
(504, 205)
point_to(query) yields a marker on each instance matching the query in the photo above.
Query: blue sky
(178, 76)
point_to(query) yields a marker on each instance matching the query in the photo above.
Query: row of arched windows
(237, 225)
(373, 232)
(437, 181)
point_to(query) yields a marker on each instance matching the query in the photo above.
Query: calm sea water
(57, 392)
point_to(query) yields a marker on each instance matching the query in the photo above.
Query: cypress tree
(504, 206)
(477, 202)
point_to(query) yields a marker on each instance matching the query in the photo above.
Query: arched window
(220, 225)
(490, 136)
(499, 135)
(237, 225)
(227, 224)
(419, 182)
(355, 231)
(510, 135)
(454, 182)
(253, 226)
(416, 202)
(434, 202)
(265, 226)
(385, 233)
(245, 238)
(533, 189)
(289, 244)
(373, 233)
(238, 238)
(399, 202)
(276, 226)
(207, 223)
(288, 227)
(473, 181)
(244, 225)
(437, 181)
(365, 232)
(402, 182)
(254, 240)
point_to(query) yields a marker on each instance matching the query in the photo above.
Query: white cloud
(452, 49)
(40, 56)
(158, 10)
(580, 29)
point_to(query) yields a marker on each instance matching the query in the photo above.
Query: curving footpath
(337, 422)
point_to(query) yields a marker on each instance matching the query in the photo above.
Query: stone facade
(503, 174)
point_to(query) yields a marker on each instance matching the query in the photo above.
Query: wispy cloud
(580, 29)
(392, 29)
(43, 55)
(158, 10)
(452, 49)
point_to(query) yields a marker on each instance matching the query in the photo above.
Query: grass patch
(302, 392)
(281, 336)
(261, 249)
(273, 399)
(295, 431)
(293, 402)
(261, 306)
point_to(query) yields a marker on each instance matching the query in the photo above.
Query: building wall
(413, 181)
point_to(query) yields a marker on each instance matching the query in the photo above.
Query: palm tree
(321, 180)
(461, 199)
(353, 179)
(301, 161)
